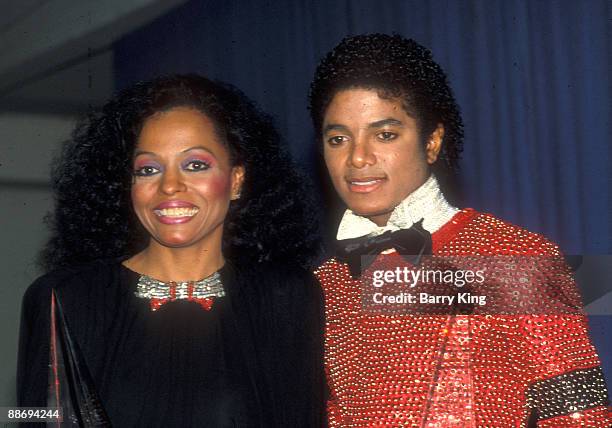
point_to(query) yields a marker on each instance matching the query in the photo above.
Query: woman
(177, 294)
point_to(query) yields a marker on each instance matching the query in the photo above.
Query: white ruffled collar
(427, 203)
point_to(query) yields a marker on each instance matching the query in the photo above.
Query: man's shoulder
(330, 267)
(487, 234)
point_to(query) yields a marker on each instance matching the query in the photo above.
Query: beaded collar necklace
(202, 292)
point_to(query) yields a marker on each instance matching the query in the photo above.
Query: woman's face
(183, 181)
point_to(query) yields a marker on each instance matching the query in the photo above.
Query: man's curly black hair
(397, 68)
(93, 216)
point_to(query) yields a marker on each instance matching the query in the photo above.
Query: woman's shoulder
(69, 280)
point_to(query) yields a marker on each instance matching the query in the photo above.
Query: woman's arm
(33, 357)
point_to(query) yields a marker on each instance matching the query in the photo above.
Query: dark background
(532, 78)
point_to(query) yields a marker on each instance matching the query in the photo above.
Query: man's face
(373, 152)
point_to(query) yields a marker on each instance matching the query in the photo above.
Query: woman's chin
(175, 241)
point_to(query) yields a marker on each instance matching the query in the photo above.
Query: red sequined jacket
(460, 370)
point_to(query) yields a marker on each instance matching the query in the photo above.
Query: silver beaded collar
(159, 292)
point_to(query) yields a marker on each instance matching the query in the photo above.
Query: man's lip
(365, 178)
(364, 184)
(175, 204)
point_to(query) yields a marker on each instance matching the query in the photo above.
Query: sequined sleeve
(567, 388)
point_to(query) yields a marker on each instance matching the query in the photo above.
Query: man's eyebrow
(334, 127)
(377, 124)
(385, 122)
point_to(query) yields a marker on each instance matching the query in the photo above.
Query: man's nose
(361, 154)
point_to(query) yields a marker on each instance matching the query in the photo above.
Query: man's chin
(376, 214)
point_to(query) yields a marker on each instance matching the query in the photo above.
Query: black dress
(255, 359)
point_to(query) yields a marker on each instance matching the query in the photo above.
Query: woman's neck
(177, 264)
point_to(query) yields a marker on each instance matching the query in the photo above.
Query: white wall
(27, 144)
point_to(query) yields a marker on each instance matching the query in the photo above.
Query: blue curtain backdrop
(532, 78)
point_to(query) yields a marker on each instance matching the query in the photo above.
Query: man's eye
(146, 171)
(387, 136)
(197, 165)
(336, 140)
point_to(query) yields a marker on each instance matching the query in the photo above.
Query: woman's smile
(175, 212)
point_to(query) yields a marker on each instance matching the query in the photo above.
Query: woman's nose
(172, 182)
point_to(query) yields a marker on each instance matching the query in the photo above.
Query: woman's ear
(237, 180)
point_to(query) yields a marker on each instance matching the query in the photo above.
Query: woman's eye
(387, 136)
(336, 140)
(197, 165)
(146, 171)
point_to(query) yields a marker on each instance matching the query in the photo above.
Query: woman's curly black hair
(397, 68)
(93, 216)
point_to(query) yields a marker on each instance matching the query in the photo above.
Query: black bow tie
(411, 243)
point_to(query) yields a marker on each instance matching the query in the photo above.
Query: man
(391, 132)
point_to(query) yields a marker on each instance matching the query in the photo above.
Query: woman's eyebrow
(198, 148)
(138, 152)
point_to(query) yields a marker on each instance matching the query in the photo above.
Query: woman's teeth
(177, 212)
